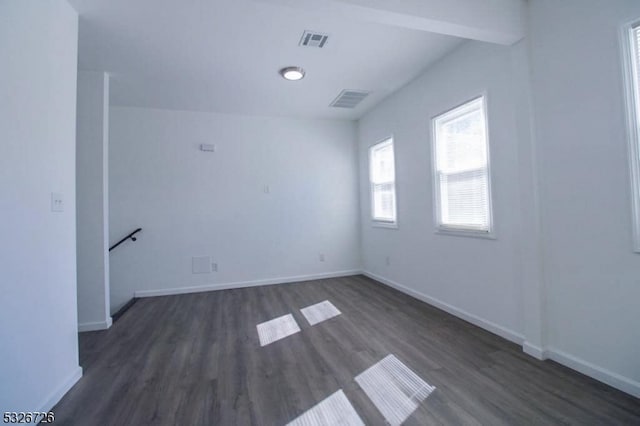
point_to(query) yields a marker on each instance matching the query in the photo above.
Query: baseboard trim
(120, 312)
(601, 374)
(535, 351)
(243, 284)
(469, 317)
(95, 326)
(61, 390)
(608, 377)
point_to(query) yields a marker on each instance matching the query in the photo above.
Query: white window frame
(376, 222)
(453, 230)
(632, 98)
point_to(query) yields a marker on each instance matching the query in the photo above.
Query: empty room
(329, 212)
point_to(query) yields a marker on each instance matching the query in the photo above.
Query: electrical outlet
(57, 202)
(388, 261)
(266, 189)
(214, 267)
(321, 256)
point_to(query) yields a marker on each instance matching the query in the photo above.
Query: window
(631, 43)
(382, 175)
(461, 165)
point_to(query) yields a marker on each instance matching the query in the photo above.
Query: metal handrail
(130, 236)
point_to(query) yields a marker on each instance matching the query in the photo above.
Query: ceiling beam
(493, 21)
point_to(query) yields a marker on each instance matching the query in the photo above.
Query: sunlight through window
(320, 312)
(276, 329)
(394, 389)
(334, 410)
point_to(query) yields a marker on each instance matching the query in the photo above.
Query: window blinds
(633, 98)
(382, 177)
(462, 178)
(636, 59)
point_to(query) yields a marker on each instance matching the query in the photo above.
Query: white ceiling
(224, 55)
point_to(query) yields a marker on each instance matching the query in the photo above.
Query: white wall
(38, 318)
(92, 204)
(561, 278)
(592, 277)
(476, 278)
(193, 203)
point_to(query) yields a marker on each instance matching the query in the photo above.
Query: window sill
(388, 225)
(468, 233)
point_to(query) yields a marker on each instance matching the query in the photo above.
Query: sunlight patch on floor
(276, 329)
(334, 410)
(319, 312)
(394, 389)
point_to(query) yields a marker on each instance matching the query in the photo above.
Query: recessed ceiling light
(292, 73)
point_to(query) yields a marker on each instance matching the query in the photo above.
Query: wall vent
(349, 98)
(313, 39)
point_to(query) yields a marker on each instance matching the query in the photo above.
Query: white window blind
(382, 176)
(461, 168)
(633, 102)
(636, 67)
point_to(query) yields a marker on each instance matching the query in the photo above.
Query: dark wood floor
(196, 360)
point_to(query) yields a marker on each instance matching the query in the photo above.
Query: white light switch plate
(57, 202)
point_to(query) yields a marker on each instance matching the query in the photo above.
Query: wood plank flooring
(196, 359)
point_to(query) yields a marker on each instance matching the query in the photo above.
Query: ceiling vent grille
(313, 39)
(349, 98)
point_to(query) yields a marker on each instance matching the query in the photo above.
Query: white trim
(631, 114)
(437, 210)
(383, 224)
(61, 390)
(94, 326)
(243, 284)
(603, 375)
(494, 328)
(465, 232)
(608, 377)
(535, 351)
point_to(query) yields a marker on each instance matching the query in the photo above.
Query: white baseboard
(94, 326)
(612, 379)
(535, 351)
(605, 376)
(243, 284)
(61, 390)
(473, 319)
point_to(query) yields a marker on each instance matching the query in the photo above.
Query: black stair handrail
(130, 236)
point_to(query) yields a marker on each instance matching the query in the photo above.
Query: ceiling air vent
(313, 39)
(349, 98)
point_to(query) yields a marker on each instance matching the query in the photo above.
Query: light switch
(57, 202)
